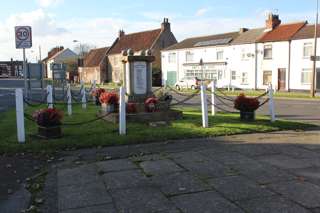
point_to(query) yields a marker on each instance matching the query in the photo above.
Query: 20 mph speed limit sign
(23, 37)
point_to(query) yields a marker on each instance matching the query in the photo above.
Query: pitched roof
(204, 41)
(250, 36)
(60, 52)
(135, 41)
(283, 32)
(95, 56)
(307, 32)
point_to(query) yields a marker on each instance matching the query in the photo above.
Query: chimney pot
(165, 25)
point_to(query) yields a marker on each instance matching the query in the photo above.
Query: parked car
(4, 76)
(186, 83)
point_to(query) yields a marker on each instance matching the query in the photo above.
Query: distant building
(11, 68)
(95, 66)
(155, 40)
(58, 55)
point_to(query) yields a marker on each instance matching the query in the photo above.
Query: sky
(97, 22)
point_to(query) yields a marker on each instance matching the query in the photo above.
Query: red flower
(131, 108)
(150, 104)
(109, 98)
(48, 117)
(245, 104)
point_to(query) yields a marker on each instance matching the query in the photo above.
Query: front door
(318, 80)
(281, 79)
(171, 78)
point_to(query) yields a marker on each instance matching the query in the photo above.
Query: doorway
(281, 79)
(318, 80)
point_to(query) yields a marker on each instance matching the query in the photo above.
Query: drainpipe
(289, 66)
(256, 67)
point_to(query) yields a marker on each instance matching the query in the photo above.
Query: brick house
(155, 40)
(95, 66)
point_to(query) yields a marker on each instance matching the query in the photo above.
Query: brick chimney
(165, 25)
(243, 30)
(121, 34)
(273, 21)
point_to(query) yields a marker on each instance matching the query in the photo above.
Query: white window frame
(305, 46)
(219, 55)
(172, 58)
(303, 71)
(233, 75)
(265, 48)
(244, 78)
(189, 56)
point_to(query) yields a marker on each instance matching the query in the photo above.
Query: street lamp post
(313, 80)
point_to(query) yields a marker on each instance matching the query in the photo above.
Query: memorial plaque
(140, 78)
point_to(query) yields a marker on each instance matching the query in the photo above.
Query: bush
(246, 104)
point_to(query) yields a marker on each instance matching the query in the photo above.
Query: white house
(63, 56)
(181, 60)
(302, 48)
(244, 59)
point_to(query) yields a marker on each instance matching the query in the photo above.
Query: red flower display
(109, 98)
(48, 117)
(150, 104)
(98, 92)
(131, 108)
(246, 104)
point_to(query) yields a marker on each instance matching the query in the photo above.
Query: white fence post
(204, 107)
(69, 99)
(83, 94)
(49, 97)
(271, 104)
(213, 98)
(122, 112)
(20, 116)
(94, 88)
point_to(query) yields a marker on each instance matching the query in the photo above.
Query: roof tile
(95, 56)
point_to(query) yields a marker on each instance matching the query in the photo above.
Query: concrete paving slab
(205, 202)
(285, 162)
(125, 179)
(143, 199)
(304, 193)
(179, 183)
(160, 167)
(275, 204)
(239, 188)
(78, 176)
(106, 208)
(77, 196)
(116, 165)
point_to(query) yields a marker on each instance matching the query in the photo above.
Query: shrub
(246, 104)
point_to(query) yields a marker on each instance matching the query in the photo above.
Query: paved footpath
(274, 172)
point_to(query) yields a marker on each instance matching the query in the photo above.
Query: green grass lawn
(102, 133)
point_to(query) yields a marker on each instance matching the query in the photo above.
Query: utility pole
(313, 83)
(39, 53)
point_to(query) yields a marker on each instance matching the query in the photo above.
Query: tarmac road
(291, 109)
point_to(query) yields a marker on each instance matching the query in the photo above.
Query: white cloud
(202, 11)
(48, 3)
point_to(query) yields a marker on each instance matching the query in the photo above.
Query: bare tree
(82, 49)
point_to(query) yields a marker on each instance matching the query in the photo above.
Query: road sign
(317, 58)
(23, 37)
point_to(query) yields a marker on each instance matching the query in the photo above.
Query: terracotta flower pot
(247, 116)
(50, 132)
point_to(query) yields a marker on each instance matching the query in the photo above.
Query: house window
(220, 74)
(220, 55)
(233, 75)
(172, 58)
(244, 78)
(307, 50)
(267, 52)
(189, 56)
(306, 76)
(267, 77)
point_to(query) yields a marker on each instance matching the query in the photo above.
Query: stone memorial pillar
(138, 75)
